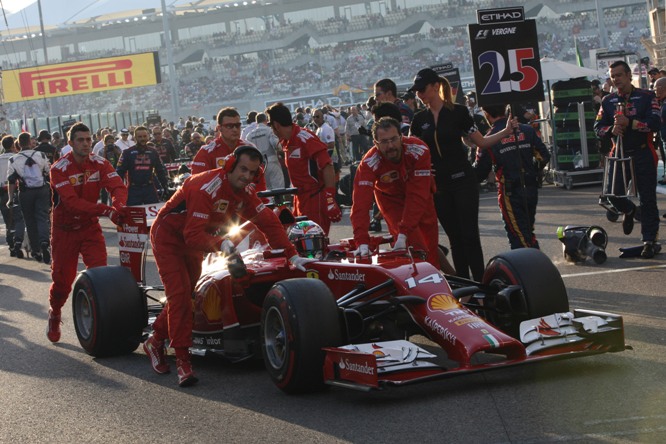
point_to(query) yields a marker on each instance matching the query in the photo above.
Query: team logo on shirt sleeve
(389, 177)
(76, 179)
(221, 206)
(92, 177)
(212, 186)
(220, 161)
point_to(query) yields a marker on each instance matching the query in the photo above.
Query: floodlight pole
(46, 58)
(173, 84)
(601, 25)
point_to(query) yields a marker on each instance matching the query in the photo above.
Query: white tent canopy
(552, 69)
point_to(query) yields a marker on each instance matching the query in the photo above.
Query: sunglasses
(231, 125)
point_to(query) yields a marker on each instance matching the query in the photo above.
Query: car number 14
(434, 278)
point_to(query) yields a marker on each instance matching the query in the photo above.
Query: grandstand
(247, 54)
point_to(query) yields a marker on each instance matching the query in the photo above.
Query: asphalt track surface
(58, 393)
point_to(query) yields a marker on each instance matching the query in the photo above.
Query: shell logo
(442, 302)
(212, 305)
(312, 274)
(76, 179)
(220, 161)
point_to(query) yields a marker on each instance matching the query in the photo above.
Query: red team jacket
(408, 183)
(205, 202)
(76, 190)
(300, 150)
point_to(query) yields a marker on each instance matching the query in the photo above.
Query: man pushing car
(396, 172)
(185, 229)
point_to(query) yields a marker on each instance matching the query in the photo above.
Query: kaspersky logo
(84, 77)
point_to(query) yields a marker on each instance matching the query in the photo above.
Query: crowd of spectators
(321, 68)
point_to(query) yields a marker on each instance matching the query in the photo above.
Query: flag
(579, 58)
(24, 123)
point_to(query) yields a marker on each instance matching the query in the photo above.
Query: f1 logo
(482, 34)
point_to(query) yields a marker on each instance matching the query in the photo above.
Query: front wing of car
(374, 366)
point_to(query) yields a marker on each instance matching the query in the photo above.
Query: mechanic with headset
(185, 229)
(310, 169)
(396, 172)
(76, 181)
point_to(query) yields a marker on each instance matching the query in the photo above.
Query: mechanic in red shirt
(76, 181)
(212, 156)
(185, 229)
(396, 172)
(310, 169)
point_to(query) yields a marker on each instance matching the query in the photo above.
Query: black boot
(18, 250)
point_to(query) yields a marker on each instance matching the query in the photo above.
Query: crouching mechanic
(517, 160)
(76, 180)
(397, 171)
(185, 229)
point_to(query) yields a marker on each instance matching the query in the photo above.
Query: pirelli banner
(505, 56)
(86, 76)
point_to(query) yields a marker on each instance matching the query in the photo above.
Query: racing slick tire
(299, 318)
(543, 289)
(109, 311)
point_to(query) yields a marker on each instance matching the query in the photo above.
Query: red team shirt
(403, 192)
(212, 156)
(207, 201)
(78, 188)
(300, 150)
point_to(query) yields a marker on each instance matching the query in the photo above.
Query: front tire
(109, 311)
(299, 318)
(542, 286)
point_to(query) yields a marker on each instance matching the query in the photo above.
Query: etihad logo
(442, 302)
(81, 77)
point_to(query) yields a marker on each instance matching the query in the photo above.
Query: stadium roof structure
(90, 12)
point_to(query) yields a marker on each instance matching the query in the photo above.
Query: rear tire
(109, 311)
(299, 318)
(542, 285)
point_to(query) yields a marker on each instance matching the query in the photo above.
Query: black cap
(408, 95)
(43, 135)
(424, 78)
(653, 71)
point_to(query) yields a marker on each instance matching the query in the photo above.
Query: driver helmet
(308, 238)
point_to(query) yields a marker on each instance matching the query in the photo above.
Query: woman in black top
(457, 196)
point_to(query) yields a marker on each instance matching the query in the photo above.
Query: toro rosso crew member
(517, 160)
(139, 166)
(185, 229)
(310, 168)
(396, 172)
(76, 180)
(631, 115)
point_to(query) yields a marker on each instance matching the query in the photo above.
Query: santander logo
(364, 368)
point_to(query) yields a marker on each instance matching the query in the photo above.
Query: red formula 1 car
(347, 322)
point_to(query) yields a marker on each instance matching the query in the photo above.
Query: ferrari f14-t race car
(348, 321)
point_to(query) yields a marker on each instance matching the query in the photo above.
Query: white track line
(618, 270)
